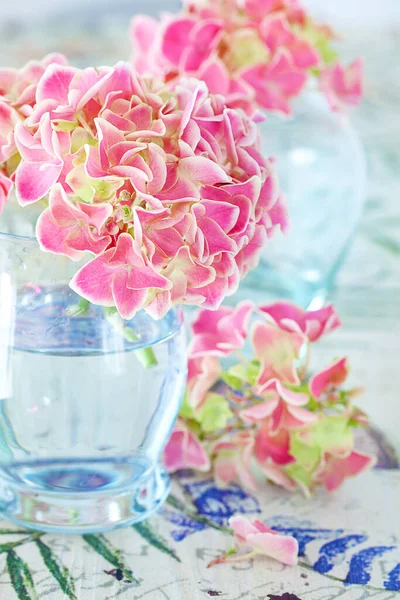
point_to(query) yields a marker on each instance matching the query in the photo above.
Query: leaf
(186, 411)
(26, 540)
(60, 573)
(111, 554)
(21, 578)
(300, 474)
(79, 309)
(389, 244)
(215, 413)
(15, 532)
(247, 373)
(236, 383)
(152, 536)
(331, 433)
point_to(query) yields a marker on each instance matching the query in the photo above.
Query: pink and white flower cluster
(270, 416)
(17, 99)
(161, 183)
(257, 53)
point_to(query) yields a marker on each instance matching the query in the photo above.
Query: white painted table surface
(368, 299)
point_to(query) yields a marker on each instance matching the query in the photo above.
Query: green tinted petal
(306, 456)
(186, 411)
(236, 383)
(332, 433)
(300, 475)
(214, 414)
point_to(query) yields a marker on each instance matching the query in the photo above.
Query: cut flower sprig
(266, 413)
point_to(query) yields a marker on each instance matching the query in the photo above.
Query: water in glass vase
(87, 405)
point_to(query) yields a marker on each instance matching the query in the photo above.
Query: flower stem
(146, 356)
(229, 558)
(78, 309)
(192, 514)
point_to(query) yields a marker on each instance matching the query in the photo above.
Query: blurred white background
(358, 13)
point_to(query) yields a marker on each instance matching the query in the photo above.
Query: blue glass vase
(321, 165)
(87, 400)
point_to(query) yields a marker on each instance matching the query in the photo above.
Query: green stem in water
(79, 309)
(146, 356)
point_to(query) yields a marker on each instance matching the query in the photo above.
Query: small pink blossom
(273, 445)
(262, 540)
(203, 373)
(328, 379)
(41, 164)
(119, 277)
(276, 474)
(220, 332)
(9, 117)
(275, 83)
(278, 351)
(187, 44)
(343, 86)
(147, 53)
(18, 87)
(277, 34)
(259, 539)
(232, 460)
(72, 229)
(313, 324)
(185, 451)
(283, 407)
(5, 189)
(334, 470)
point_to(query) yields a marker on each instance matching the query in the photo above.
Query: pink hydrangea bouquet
(266, 414)
(161, 185)
(257, 53)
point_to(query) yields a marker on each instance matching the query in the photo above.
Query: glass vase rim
(27, 239)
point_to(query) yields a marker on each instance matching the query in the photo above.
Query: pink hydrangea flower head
(313, 324)
(256, 536)
(185, 451)
(257, 53)
(164, 172)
